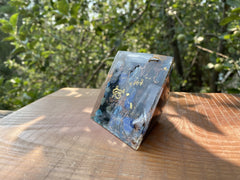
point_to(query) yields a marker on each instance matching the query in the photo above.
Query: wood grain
(4, 113)
(197, 137)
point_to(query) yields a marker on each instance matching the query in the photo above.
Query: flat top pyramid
(130, 94)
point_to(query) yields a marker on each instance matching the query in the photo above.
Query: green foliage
(233, 16)
(13, 20)
(72, 43)
(63, 7)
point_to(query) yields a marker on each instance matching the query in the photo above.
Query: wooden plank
(4, 113)
(197, 137)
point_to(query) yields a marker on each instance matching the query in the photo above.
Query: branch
(210, 35)
(111, 18)
(131, 23)
(212, 52)
(192, 64)
(179, 20)
(98, 69)
(226, 76)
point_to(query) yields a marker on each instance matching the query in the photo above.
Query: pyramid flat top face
(130, 94)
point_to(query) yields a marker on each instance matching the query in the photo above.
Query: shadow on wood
(54, 137)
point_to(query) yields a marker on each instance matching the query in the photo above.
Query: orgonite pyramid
(136, 88)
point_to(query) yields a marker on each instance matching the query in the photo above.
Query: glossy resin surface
(131, 93)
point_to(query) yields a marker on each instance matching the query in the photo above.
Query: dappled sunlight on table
(196, 137)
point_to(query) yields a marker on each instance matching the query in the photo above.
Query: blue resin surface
(130, 95)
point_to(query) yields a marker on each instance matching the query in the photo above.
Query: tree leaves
(229, 19)
(9, 38)
(234, 15)
(63, 6)
(233, 3)
(236, 10)
(74, 10)
(7, 28)
(13, 19)
(46, 54)
(18, 50)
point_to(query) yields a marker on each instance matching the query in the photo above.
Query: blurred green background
(49, 44)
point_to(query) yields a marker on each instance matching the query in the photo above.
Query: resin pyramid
(131, 99)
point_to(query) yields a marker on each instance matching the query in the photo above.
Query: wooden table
(197, 137)
(4, 113)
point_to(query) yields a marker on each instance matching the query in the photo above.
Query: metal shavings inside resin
(134, 92)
